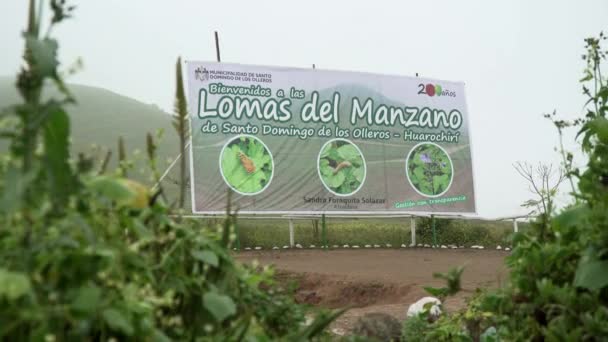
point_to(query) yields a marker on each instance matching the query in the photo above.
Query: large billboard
(302, 141)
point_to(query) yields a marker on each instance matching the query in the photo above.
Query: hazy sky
(519, 59)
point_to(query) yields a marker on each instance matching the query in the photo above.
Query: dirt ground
(379, 280)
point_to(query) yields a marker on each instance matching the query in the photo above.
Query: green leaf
(603, 94)
(349, 152)
(57, 154)
(43, 54)
(220, 306)
(159, 336)
(425, 187)
(15, 185)
(117, 321)
(325, 168)
(256, 150)
(588, 76)
(436, 292)
(207, 257)
(334, 181)
(13, 285)
(87, 300)
(440, 183)
(331, 152)
(419, 173)
(446, 167)
(250, 182)
(570, 217)
(316, 327)
(113, 188)
(591, 274)
(490, 335)
(345, 188)
(599, 126)
(258, 154)
(230, 160)
(359, 174)
(325, 151)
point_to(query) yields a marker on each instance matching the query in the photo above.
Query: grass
(270, 233)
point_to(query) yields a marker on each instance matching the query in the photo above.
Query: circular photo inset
(246, 165)
(429, 169)
(341, 167)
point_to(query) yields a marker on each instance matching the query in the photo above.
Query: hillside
(100, 117)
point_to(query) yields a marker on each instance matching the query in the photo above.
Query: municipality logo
(434, 90)
(201, 74)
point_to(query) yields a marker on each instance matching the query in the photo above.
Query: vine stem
(566, 163)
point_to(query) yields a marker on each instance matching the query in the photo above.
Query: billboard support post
(324, 231)
(434, 230)
(413, 231)
(515, 228)
(291, 235)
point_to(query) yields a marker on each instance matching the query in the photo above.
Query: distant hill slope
(100, 117)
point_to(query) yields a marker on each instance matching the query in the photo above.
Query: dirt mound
(338, 292)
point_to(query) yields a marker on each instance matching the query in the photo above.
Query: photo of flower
(429, 169)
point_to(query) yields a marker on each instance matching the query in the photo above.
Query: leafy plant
(558, 288)
(342, 167)
(415, 329)
(452, 287)
(86, 256)
(246, 165)
(180, 123)
(429, 169)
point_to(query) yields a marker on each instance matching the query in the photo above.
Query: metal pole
(434, 230)
(515, 228)
(323, 231)
(413, 230)
(217, 47)
(291, 236)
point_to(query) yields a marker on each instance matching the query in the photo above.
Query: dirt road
(379, 280)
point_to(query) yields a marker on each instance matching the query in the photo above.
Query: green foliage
(429, 169)
(466, 232)
(471, 324)
(452, 287)
(246, 165)
(558, 288)
(92, 257)
(363, 231)
(415, 329)
(341, 166)
(180, 123)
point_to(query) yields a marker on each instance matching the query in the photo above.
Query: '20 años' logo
(434, 90)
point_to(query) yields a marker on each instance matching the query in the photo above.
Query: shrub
(558, 286)
(91, 255)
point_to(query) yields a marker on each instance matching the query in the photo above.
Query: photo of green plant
(246, 165)
(429, 169)
(341, 167)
